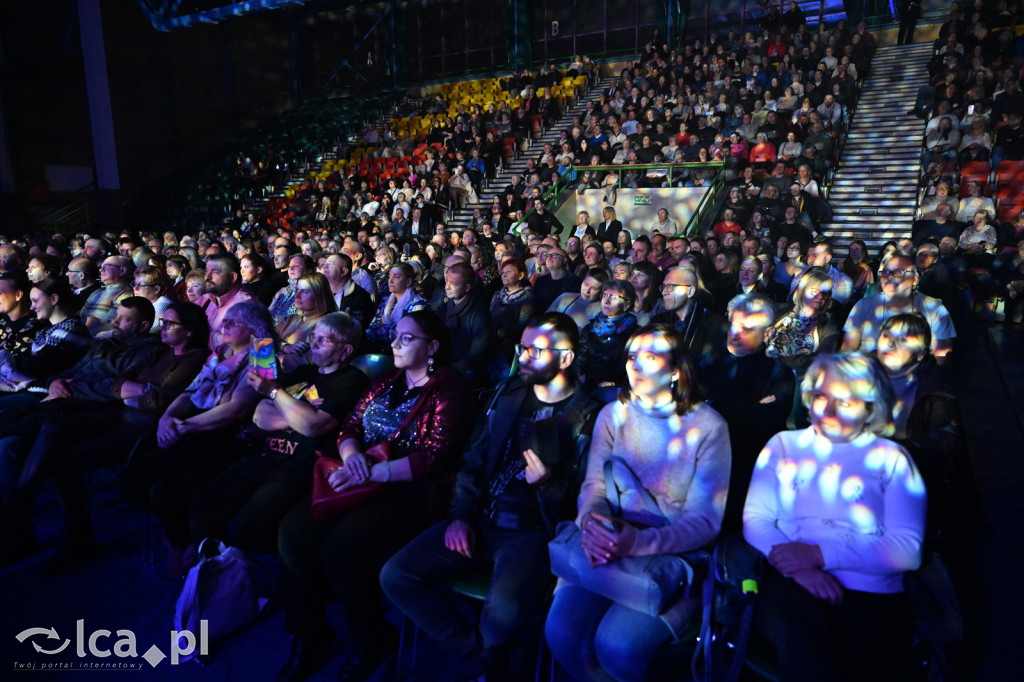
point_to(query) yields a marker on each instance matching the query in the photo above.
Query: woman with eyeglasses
(298, 413)
(195, 433)
(420, 410)
(651, 427)
(401, 300)
(603, 340)
(838, 511)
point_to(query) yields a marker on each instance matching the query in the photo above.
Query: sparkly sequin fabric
(381, 420)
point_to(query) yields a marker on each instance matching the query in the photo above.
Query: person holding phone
(518, 480)
(678, 449)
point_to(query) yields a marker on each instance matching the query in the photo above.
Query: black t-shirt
(511, 501)
(339, 391)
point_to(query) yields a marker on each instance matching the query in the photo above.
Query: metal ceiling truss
(163, 14)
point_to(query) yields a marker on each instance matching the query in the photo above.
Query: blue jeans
(596, 639)
(413, 579)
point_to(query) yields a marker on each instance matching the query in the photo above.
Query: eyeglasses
(110, 266)
(611, 297)
(534, 352)
(171, 324)
(321, 339)
(143, 285)
(404, 339)
(668, 285)
(898, 274)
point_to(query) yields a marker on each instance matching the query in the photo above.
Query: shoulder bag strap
(612, 492)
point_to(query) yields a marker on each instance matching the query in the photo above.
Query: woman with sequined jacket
(420, 410)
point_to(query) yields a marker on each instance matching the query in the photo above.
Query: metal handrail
(83, 205)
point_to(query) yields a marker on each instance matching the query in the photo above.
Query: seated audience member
(898, 278)
(604, 338)
(418, 409)
(582, 306)
(313, 300)
(806, 329)
(223, 285)
(18, 323)
(557, 279)
(59, 344)
(836, 562)
(820, 256)
(152, 283)
(99, 309)
(244, 504)
(469, 323)
(95, 413)
(195, 434)
(84, 277)
(703, 330)
(925, 412)
(512, 306)
(975, 202)
(646, 280)
(349, 297)
(258, 277)
(506, 505)
(591, 636)
(751, 391)
(401, 300)
(283, 303)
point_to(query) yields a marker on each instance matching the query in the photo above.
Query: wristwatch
(273, 394)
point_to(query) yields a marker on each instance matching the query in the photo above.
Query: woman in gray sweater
(678, 448)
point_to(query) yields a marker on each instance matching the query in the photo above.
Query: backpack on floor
(225, 589)
(730, 591)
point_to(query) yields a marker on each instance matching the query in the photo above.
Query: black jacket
(572, 429)
(471, 328)
(609, 232)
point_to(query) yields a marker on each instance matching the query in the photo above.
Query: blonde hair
(866, 380)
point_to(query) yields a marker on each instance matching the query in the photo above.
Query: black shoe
(306, 657)
(72, 552)
(368, 656)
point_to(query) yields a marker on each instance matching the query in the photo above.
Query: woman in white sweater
(839, 512)
(678, 447)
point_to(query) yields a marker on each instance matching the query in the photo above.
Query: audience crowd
(494, 382)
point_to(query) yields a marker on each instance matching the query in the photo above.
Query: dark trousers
(906, 34)
(413, 579)
(163, 480)
(340, 558)
(244, 504)
(866, 637)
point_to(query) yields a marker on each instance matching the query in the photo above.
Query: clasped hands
(356, 470)
(602, 545)
(803, 563)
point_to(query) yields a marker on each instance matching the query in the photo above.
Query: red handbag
(329, 503)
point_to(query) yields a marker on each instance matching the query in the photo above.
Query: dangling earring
(430, 366)
(675, 385)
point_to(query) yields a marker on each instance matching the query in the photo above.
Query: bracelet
(273, 394)
(387, 467)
